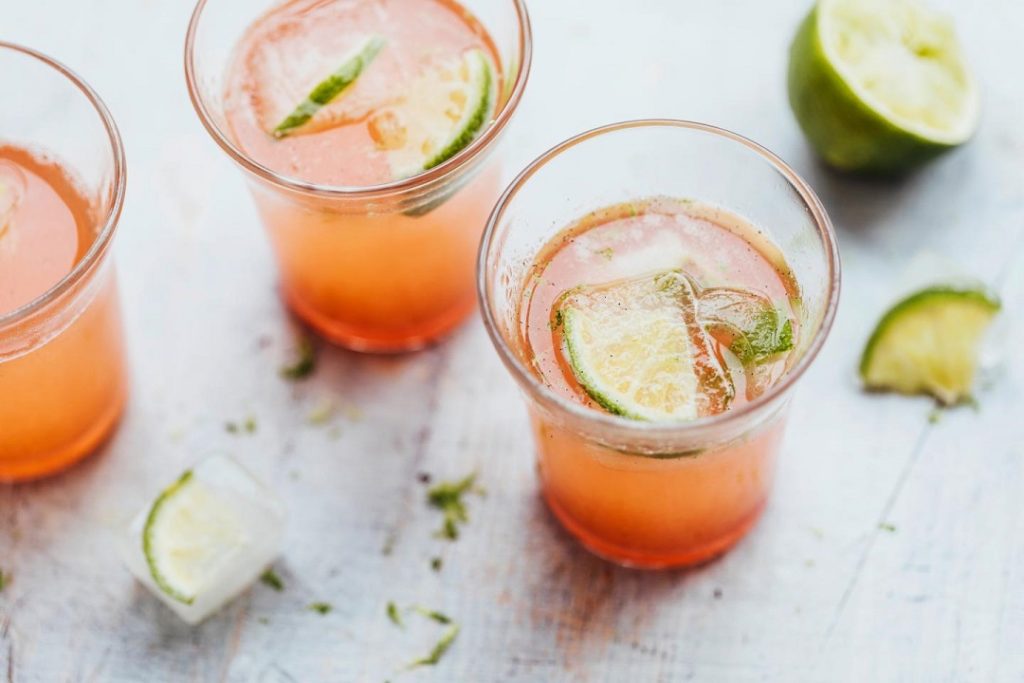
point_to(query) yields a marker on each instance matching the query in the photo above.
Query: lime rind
(332, 86)
(852, 127)
(149, 542)
(929, 342)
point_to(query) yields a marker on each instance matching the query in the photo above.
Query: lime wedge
(636, 348)
(442, 112)
(332, 86)
(880, 86)
(191, 534)
(929, 343)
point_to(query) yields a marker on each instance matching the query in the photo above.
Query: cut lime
(190, 535)
(443, 111)
(332, 86)
(635, 347)
(929, 343)
(880, 85)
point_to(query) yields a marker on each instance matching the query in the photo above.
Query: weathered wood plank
(817, 592)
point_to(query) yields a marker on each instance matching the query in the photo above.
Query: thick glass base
(639, 558)
(40, 465)
(367, 339)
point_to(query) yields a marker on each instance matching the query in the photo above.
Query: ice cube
(747, 323)
(227, 531)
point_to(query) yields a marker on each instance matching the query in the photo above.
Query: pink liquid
(296, 45)
(714, 247)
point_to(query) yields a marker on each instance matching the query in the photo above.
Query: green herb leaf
(436, 563)
(304, 363)
(442, 646)
(767, 338)
(270, 578)
(321, 607)
(4, 580)
(886, 526)
(330, 87)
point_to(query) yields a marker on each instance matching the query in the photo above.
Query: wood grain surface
(892, 550)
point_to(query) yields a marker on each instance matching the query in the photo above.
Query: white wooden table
(823, 589)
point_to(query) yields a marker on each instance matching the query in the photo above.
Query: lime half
(636, 348)
(880, 85)
(190, 536)
(332, 86)
(929, 343)
(442, 112)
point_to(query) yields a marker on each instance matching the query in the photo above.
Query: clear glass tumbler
(642, 493)
(382, 268)
(63, 381)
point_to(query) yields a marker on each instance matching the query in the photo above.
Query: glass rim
(549, 398)
(464, 156)
(106, 233)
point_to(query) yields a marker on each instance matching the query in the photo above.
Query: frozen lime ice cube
(205, 538)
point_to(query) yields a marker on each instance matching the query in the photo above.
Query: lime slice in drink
(880, 86)
(332, 86)
(637, 349)
(441, 113)
(929, 343)
(191, 534)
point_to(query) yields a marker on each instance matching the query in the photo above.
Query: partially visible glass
(640, 493)
(63, 380)
(383, 268)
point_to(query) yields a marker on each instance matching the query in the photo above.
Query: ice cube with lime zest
(880, 86)
(441, 112)
(638, 349)
(331, 87)
(205, 538)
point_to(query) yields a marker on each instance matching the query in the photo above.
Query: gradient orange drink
(374, 225)
(596, 250)
(62, 371)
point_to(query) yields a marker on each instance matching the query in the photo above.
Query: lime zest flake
(321, 608)
(304, 363)
(439, 650)
(394, 616)
(272, 579)
(332, 86)
(447, 497)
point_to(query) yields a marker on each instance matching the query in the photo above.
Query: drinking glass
(63, 382)
(382, 268)
(643, 493)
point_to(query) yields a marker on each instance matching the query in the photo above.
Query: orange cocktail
(374, 192)
(657, 336)
(62, 371)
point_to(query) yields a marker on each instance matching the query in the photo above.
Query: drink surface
(46, 226)
(292, 48)
(719, 271)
